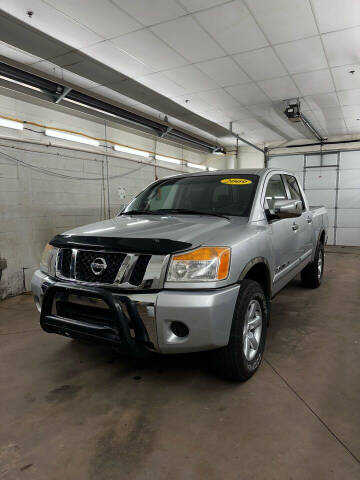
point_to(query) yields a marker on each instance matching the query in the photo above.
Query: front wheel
(240, 359)
(312, 274)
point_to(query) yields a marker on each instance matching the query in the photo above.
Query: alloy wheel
(252, 330)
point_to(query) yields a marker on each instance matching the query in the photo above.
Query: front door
(283, 234)
(305, 231)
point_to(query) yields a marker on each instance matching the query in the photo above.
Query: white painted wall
(248, 157)
(34, 206)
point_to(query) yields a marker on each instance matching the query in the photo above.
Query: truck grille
(82, 270)
(85, 259)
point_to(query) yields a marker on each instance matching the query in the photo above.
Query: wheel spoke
(320, 265)
(252, 310)
(254, 322)
(252, 340)
(246, 346)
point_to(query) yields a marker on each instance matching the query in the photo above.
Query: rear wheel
(312, 274)
(240, 359)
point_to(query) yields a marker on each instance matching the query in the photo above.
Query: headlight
(48, 260)
(205, 264)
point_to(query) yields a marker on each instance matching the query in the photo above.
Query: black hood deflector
(160, 246)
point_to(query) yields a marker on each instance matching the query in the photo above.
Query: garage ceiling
(222, 60)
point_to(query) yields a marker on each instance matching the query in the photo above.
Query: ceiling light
(20, 83)
(196, 165)
(219, 152)
(4, 122)
(89, 106)
(133, 151)
(212, 169)
(163, 158)
(71, 137)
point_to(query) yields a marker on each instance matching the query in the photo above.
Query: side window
(294, 189)
(275, 190)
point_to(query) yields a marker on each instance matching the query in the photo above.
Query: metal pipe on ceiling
(310, 127)
(58, 92)
(243, 139)
(334, 142)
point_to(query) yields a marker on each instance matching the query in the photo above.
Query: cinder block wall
(36, 205)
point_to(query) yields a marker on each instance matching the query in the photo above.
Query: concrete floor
(74, 411)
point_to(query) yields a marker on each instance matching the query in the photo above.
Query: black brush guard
(116, 330)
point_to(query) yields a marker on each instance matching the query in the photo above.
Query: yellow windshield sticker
(236, 181)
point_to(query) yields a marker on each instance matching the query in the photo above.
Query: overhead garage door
(332, 180)
(348, 213)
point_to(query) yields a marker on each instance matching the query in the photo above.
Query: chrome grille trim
(154, 276)
(120, 277)
(73, 263)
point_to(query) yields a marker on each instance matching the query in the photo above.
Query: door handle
(295, 227)
(309, 219)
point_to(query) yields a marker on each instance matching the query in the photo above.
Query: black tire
(310, 276)
(230, 361)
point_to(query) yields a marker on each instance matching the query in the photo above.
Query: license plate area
(88, 301)
(83, 308)
(94, 312)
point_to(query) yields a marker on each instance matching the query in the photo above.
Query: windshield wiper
(192, 212)
(140, 212)
(163, 211)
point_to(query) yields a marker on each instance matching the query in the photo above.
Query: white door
(332, 180)
(348, 212)
(320, 185)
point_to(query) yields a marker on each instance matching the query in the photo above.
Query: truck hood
(149, 233)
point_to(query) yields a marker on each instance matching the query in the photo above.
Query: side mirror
(288, 208)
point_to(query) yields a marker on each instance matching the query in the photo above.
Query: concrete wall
(65, 187)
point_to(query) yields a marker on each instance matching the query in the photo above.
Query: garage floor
(70, 410)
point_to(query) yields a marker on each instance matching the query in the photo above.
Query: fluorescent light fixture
(20, 83)
(4, 122)
(212, 169)
(196, 165)
(89, 106)
(73, 138)
(218, 153)
(163, 158)
(133, 151)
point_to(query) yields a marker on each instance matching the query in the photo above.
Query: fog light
(179, 329)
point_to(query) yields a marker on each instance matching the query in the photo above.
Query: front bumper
(142, 320)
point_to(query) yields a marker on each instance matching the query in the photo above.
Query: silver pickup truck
(190, 264)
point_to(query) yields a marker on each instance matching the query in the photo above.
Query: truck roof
(231, 171)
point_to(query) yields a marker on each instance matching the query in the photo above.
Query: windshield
(229, 194)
